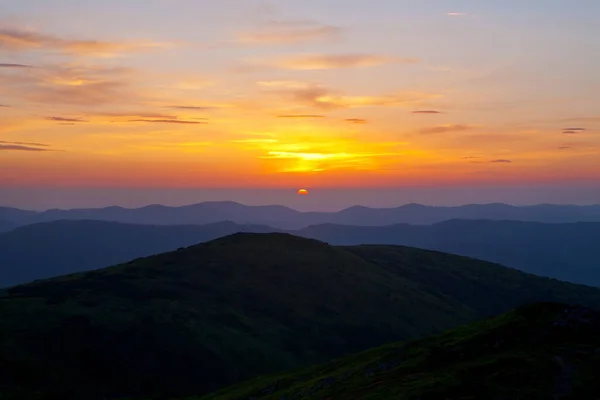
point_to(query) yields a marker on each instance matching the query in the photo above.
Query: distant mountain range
(568, 252)
(287, 218)
(197, 319)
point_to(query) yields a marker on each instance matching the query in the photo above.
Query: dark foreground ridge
(541, 351)
(196, 320)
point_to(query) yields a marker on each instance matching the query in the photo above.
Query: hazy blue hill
(6, 226)
(17, 216)
(536, 352)
(568, 252)
(197, 319)
(564, 251)
(56, 248)
(420, 214)
(195, 214)
(287, 218)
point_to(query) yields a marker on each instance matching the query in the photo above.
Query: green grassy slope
(540, 351)
(198, 319)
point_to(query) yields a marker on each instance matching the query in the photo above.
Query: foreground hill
(567, 252)
(200, 318)
(541, 351)
(286, 218)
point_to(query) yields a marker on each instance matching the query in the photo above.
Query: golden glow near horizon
(273, 96)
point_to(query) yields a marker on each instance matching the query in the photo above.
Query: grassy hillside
(200, 318)
(541, 351)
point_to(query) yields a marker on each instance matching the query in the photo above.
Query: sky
(380, 102)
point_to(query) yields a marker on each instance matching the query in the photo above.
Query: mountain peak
(414, 205)
(266, 239)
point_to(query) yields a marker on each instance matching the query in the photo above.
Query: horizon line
(300, 211)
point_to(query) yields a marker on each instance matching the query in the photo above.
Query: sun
(303, 192)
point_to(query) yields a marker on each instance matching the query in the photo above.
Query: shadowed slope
(542, 351)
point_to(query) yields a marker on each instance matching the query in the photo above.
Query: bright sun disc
(303, 191)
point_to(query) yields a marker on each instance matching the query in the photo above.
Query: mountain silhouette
(286, 218)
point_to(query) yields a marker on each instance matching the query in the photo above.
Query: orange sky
(287, 95)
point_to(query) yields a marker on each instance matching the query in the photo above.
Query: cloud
(331, 61)
(356, 120)
(4, 106)
(15, 147)
(24, 146)
(327, 99)
(564, 147)
(136, 115)
(77, 85)
(447, 128)
(143, 117)
(283, 84)
(4, 65)
(426, 112)
(456, 14)
(194, 108)
(301, 116)
(168, 121)
(61, 119)
(27, 143)
(92, 94)
(21, 40)
(497, 161)
(572, 131)
(289, 32)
